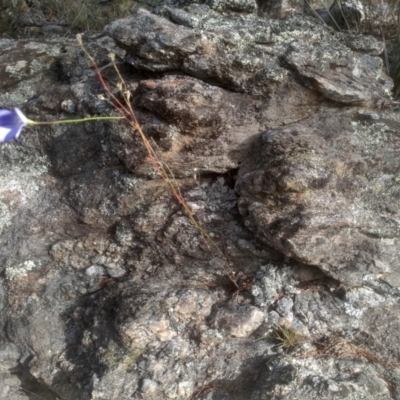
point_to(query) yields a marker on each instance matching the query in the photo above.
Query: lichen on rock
(273, 130)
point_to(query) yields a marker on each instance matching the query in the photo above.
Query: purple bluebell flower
(11, 124)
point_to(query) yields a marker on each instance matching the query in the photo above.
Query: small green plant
(287, 336)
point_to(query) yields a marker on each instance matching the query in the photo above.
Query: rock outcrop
(284, 141)
(325, 192)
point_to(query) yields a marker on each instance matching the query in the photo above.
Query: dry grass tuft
(287, 336)
(75, 15)
(338, 347)
(11, 17)
(84, 15)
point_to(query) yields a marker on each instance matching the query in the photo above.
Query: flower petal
(7, 134)
(3, 133)
(11, 124)
(8, 118)
(21, 115)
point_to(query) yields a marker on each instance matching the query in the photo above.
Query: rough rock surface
(277, 133)
(250, 54)
(328, 197)
(346, 14)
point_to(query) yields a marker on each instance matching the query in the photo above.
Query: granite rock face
(249, 54)
(281, 136)
(322, 196)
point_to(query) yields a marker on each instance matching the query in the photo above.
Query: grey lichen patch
(19, 182)
(26, 70)
(321, 56)
(248, 6)
(378, 187)
(359, 300)
(50, 49)
(285, 36)
(16, 68)
(362, 43)
(20, 270)
(212, 198)
(371, 135)
(271, 282)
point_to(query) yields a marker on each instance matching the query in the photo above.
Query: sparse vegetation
(74, 15)
(84, 15)
(287, 336)
(11, 17)
(341, 348)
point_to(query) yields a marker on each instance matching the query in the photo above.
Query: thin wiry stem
(330, 15)
(71, 121)
(163, 170)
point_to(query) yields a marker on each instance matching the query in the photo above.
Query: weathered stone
(322, 196)
(157, 318)
(284, 307)
(210, 51)
(280, 378)
(179, 48)
(346, 14)
(345, 81)
(95, 270)
(362, 43)
(247, 6)
(27, 68)
(238, 321)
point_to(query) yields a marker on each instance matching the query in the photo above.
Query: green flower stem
(71, 121)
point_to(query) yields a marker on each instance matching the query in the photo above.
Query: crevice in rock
(32, 387)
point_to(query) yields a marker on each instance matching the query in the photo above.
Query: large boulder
(324, 191)
(249, 54)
